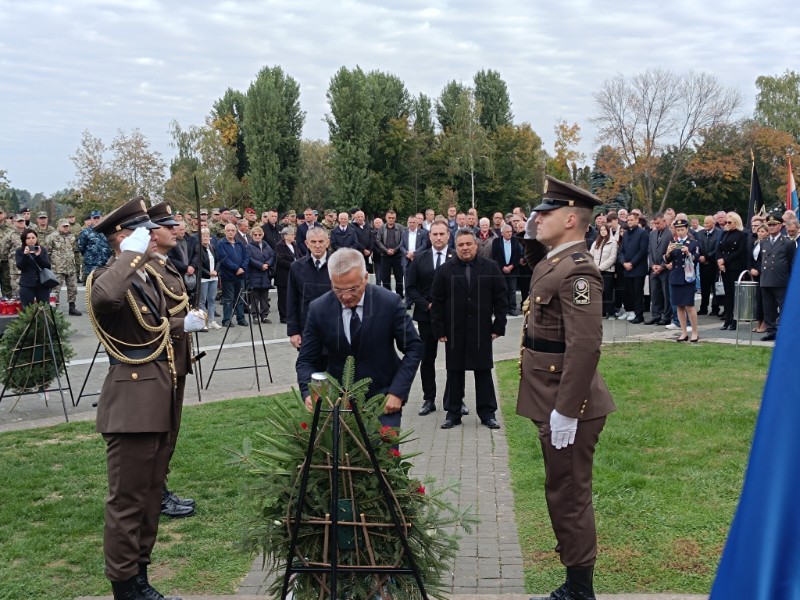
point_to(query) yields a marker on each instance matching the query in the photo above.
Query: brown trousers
(568, 490)
(137, 465)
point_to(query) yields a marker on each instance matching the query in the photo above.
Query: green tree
(447, 104)
(491, 93)
(316, 174)
(518, 175)
(420, 161)
(141, 168)
(778, 102)
(232, 105)
(97, 185)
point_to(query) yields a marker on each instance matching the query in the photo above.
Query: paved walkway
(490, 561)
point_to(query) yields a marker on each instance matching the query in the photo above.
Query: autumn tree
(640, 117)
(778, 102)
(97, 186)
(142, 169)
(228, 116)
(564, 162)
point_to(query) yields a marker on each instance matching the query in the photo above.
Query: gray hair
(288, 230)
(345, 260)
(317, 232)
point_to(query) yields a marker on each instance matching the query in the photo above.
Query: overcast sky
(104, 65)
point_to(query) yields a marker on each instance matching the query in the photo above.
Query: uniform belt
(548, 346)
(137, 354)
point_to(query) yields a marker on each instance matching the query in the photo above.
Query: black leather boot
(180, 501)
(126, 590)
(578, 586)
(172, 510)
(74, 311)
(147, 591)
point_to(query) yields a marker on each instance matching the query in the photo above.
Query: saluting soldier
(60, 245)
(171, 284)
(777, 254)
(560, 388)
(137, 411)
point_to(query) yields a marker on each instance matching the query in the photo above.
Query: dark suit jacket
(305, 284)
(284, 258)
(634, 250)
(499, 254)
(468, 315)
(344, 239)
(364, 235)
(29, 266)
(423, 241)
(656, 249)
(776, 261)
(385, 324)
(419, 279)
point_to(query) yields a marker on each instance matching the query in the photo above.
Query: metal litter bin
(744, 307)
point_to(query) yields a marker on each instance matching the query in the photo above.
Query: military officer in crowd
(137, 409)
(10, 243)
(93, 245)
(61, 245)
(171, 285)
(42, 227)
(560, 388)
(5, 278)
(777, 254)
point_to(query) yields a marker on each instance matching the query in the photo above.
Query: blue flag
(761, 559)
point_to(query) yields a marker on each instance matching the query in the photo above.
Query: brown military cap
(774, 219)
(558, 194)
(161, 214)
(131, 215)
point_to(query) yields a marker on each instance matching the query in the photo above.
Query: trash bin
(745, 298)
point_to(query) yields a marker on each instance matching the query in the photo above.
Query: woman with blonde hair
(731, 262)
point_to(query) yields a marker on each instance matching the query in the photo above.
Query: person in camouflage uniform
(42, 227)
(93, 246)
(75, 229)
(8, 248)
(5, 277)
(60, 245)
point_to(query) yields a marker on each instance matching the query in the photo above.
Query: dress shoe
(464, 409)
(683, 338)
(427, 408)
(283, 320)
(695, 340)
(266, 320)
(724, 326)
(175, 511)
(714, 313)
(491, 423)
(653, 322)
(243, 323)
(449, 423)
(770, 337)
(702, 313)
(147, 591)
(181, 501)
(663, 322)
(636, 321)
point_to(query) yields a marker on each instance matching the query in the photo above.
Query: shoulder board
(580, 258)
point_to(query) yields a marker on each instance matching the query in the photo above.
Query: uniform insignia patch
(580, 291)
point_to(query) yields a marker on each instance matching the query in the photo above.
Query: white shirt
(412, 240)
(435, 253)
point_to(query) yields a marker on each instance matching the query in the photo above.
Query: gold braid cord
(113, 345)
(182, 299)
(526, 311)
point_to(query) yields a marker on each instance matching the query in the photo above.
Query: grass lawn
(668, 468)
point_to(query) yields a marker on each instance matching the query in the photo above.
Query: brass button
(133, 264)
(555, 260)
(538, 298)
(552, 368)
(161, 262)
(134, 376)
(144, 309)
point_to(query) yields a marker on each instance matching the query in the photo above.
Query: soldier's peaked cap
(558, 194)
(161, 214)
(131, 215)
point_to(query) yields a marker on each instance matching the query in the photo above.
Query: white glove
(138, 241)
(562, 430)
(530, 227)
(194, 321)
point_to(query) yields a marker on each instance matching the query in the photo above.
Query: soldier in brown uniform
(172, 287)
(137, 410)
(560, 388)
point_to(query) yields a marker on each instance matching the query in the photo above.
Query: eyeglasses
(728, 222)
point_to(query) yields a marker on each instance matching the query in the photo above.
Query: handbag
(48, 279)
(190, 281)
(688, 270)
(719, 287)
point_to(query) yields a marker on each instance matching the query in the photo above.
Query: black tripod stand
(243, 296)
(35, 349)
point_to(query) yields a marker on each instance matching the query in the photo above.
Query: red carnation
(394, 452)
(304, 425)
(421, 490)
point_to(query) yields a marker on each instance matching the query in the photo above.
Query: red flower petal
(304, 425)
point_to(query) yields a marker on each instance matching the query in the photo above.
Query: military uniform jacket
(62, 253)
(173, 286)
(776, 261)
(565, 319)
(134, 398)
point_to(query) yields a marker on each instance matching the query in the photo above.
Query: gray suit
(660, 305)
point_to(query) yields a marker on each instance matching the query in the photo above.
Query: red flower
(304, 425)
(394, 452)
(421, 490)
(387, 433)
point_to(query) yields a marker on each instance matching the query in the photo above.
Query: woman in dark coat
(286, 252)
(680, 251)
(31, 258)
(261, 264)
(732, 261)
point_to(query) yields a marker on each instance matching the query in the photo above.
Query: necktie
(468, 272)
(317, 264)
(355, 327)
(438, 260)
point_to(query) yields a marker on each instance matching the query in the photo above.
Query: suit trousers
(485, 398)
(137, 466)
(568, 491)
(28, 296)
(634, 295)
(259, 303)
(708, 277)
(388, 266)
(772, 301)
(608, 293)
(511, 290)
(282, 302)
(661, 307)
(427, 368)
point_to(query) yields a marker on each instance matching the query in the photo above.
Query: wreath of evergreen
(432, 523)
(33, 367)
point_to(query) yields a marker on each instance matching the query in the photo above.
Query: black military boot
(74, 311)
(169, 508)
(126, 590)
(147, 591)
(181, 501)
(578, 586)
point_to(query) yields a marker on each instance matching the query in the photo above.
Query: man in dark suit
(365, 321)
(364, 235)
(413, 239)
(468, 313)
(507, 253)
(707, 242)
(137, 411)
(387, 243)
(633, 256)
(777, 255)
(419, 279)
(302, 229)
(659, 238)
(344, 235)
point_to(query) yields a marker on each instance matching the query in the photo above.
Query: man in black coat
(707, 242)
(633, 256)
(507, 253)
(272, 233)
(419, 279)
(659, 239)
(387, 245)
(344, 235)
(468, 312)
(777, 255)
